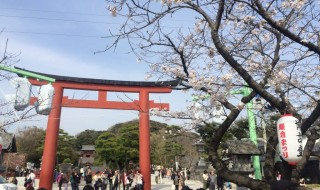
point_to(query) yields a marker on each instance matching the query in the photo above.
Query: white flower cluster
(198, 82)
(295, 4)
(169, 2)
(248, 18)
(240, 6)
(112, 10)
(172, 70)
(211, 52)
(279, 78)
(315, 128)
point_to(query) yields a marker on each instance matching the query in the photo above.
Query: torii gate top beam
(114, 83)
(103, 87)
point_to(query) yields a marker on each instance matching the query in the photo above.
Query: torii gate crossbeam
(103, 87)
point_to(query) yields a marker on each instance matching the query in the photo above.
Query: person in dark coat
(88, 178)
(220, 183)
(282, 184)
(75, 180)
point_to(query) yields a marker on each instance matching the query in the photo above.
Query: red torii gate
(102, 86)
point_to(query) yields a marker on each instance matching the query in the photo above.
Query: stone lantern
(200, 149)
(238, 154)
(202, 164)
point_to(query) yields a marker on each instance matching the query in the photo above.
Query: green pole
(253, 133)
(27, 73)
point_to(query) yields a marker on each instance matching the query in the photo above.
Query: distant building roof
(88, 147)
(241, 147)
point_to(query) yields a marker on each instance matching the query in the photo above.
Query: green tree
(172, 143)
(240, 129)
(87, 137)
(28, 139)
(126, 135)
(107, 148)
(65, 149)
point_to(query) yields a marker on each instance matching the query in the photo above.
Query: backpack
(71, 179)
(59, 178)
(88, 178)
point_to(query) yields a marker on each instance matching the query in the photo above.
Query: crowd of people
(212, 181)
(101, 180)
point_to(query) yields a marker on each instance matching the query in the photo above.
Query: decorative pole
(253, 133)
(252, 130)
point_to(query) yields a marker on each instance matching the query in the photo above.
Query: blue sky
(60, 37)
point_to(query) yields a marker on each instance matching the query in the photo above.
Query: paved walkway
(166, 185)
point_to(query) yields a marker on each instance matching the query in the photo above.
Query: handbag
(173, 187)
(28, 181)
(208, 181)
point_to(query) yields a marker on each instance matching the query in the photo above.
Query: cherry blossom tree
(218, 46)
(9, 115)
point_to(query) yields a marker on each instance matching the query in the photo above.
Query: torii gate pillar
(51, 141)
(144, 136)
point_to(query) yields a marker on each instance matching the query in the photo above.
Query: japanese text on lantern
(299, 135)
(283, 140)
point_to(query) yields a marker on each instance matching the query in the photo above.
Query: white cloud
(46, 60)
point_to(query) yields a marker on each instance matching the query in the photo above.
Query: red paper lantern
(290, 139)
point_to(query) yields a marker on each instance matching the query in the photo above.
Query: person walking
(169, 173)
(88, 178)
(82, 174)
(75, 180)
(220, 182)
(160, 176)
(205, 177)
(64, 181)
(104, 177)
(116, 180)
(109, 177)
(138, 180)
(97, 180)
(188, 174)
(129, 179)
(156, 176)
(182, 179)
(32, 176)
(212, 180)
(125, 180)
(13, 180)
(176, 180)
(59, 180)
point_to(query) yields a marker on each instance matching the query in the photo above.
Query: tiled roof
(242, 147)
(88, 147)
(171, 83)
